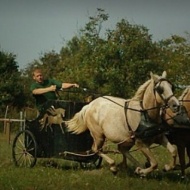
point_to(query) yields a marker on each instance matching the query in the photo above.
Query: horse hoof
(142, 176)
(182, 177)
(167, 168)
(138, 170)
(114, 170)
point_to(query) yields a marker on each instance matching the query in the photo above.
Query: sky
(30, 28)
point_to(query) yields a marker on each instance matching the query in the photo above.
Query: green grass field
(67, 175)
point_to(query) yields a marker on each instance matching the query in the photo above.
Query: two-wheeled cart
(42, 139)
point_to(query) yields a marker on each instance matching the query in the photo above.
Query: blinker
(159, 89)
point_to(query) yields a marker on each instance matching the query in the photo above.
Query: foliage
(116, 64)
(11, 88)
(174, 54)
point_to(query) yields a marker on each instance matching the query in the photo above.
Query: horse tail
(77, 123)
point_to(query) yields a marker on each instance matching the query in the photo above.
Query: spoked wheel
(24, 150)
(93, 164)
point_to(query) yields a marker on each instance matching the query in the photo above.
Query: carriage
(107, 117)
(40, 139)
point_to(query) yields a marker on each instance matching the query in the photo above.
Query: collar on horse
(180, 119)
(147, 127)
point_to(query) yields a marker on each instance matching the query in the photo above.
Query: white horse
(119, 120)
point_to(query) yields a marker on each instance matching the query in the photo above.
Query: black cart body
(54, 142)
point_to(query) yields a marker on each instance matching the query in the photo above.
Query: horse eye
(160, 90)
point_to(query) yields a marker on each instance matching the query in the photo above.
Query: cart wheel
(24, 150)
(94, 164)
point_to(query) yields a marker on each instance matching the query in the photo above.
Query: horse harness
(181, 119)
(147, 127)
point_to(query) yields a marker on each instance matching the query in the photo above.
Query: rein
(125, 107)
(184, 100)
(146, 126)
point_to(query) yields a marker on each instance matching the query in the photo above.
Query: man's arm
(69, 85)
(44, 90)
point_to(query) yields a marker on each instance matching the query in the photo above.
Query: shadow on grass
(68, 165)
(158, 175)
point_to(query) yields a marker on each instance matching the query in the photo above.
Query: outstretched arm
(44, 90)
(53, 88)
(69, 85)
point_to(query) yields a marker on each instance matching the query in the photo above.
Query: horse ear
(164, 74)
(154, 77)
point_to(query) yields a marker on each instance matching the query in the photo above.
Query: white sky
(29, 28)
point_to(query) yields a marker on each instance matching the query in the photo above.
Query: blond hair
(36, 70)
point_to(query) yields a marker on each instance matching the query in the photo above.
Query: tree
(174, 54)
(11, 88)
(116, 64)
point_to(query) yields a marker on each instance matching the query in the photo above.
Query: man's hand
(52, 88)
(76, 85)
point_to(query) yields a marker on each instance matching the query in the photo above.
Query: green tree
(115, 64)
(11, 88)
(128, 54)
(174, 55)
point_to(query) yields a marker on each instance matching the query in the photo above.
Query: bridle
(160, 90)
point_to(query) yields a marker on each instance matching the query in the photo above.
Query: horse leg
(151, 159)
(97, 146)
(124, 149)
(132, 159)
(188, 154)
(110, 161)
(173, 151)
(181, 154)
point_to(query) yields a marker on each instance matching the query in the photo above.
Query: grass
(67, 175)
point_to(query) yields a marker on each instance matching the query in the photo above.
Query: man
(45, 89)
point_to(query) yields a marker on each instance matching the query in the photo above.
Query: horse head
(179, 119)
(163, 91)
(184, 99)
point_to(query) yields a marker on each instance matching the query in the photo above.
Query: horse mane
(140, 92)
(184, 93)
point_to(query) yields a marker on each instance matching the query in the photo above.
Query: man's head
(38, 76)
